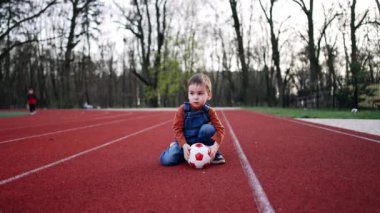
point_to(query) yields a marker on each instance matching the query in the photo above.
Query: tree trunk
(355, 64)
(241, 51)
(275, 51)
(313, 59)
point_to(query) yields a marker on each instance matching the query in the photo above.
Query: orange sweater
(178, 125)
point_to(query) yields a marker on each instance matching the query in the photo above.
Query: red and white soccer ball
(200, 156)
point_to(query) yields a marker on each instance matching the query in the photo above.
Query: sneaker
(219, 159)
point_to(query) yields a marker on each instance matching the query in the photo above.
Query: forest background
(139, 53)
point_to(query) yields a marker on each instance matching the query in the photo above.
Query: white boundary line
(336, 131)
(67, 130)
(305, 123)
(2, 182)
(262, 202)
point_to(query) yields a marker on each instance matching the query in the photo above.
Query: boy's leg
(205, 134)
(173, 155)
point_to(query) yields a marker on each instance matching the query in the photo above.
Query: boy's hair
(200, 79)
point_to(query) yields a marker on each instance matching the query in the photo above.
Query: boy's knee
(170, 160)
(171, 156)
(165, 161)
(207, 130)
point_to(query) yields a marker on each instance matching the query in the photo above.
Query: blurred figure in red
(32, 102)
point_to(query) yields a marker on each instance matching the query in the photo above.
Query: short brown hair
(201, 79)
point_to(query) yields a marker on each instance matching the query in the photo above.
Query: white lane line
(69, 130)
(64, 122)
(261, 200)
(320, 127)
(2, 182)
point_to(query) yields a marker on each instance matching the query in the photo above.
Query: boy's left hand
(186, 151)
(214, 148)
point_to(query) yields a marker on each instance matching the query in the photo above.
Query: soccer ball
(200, 156)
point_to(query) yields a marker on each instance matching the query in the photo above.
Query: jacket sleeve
(215, 121)
(178, 126)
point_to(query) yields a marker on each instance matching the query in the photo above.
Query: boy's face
(198, 95)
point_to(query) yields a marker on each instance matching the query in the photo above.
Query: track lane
(48, 123)
(35, 152)
(126, 176)
(259, 194)
(51, 116)
(42, 132)
(362, 135)
(303, 168)
(21, 125)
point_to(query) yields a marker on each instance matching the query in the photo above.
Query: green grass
(318, 113)
(11, 114)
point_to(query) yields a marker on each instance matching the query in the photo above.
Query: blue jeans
(174, 154)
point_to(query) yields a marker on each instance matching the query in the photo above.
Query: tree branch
(324, 31)
(146, 82)
(20, 43)
(17, 24)
(301, 3)
(262, 7)
(361, 20)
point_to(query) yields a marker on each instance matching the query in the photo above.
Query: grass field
(11, 114)
(318, 113)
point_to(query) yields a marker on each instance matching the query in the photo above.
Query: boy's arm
(215, 121)
(178, 126)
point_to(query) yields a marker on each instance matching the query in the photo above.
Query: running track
(107, 161)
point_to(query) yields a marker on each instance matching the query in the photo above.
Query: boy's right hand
(186, 151)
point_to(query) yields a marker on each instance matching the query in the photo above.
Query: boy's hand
(186, 151)
(214, 148)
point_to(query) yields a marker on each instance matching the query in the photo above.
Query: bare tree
(241, 51)
(331, 54)
(80, 16)
(14, 18)
(274, 38)
(312, 47)
(143, 31)
(314, 64)
(188, 38)
(89, 27)
(17, 22)
(355, 65)
(227, 76)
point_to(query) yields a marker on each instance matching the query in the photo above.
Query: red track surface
(107, 161)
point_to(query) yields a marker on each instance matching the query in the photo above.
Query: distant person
(195, 122)
(32, 101)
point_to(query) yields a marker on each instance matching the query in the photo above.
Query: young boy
(195, 122)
